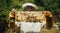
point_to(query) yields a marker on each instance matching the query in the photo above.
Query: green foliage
(40, 8)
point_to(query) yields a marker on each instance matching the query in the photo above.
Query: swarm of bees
(30, 16)
(33, 16)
